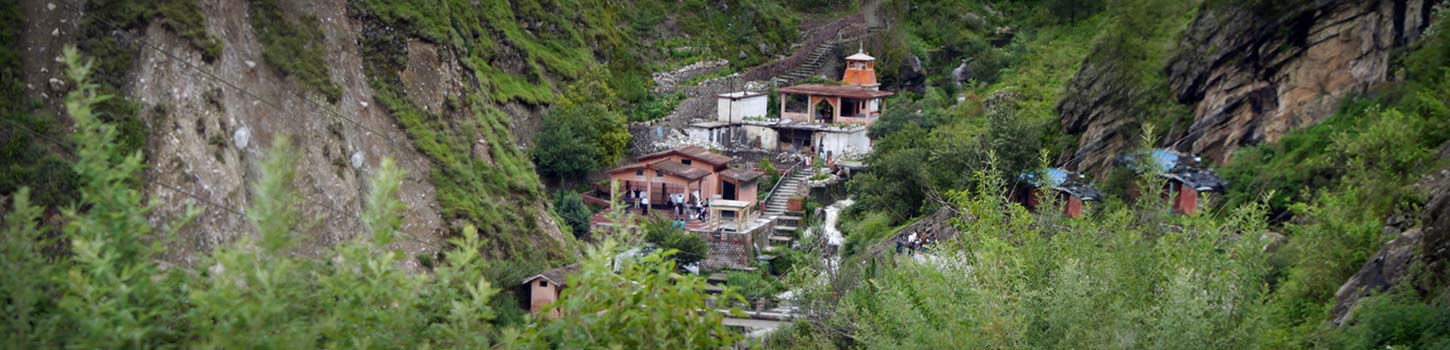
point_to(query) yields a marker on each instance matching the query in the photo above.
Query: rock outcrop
(1435, 222)
(210, 123)
(195, 120)
(1419, 255)
(1095, 107)
(1251, 79)
(1388, 267)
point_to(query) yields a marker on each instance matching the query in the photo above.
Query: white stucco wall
(699, 134)
(768, 137)
(752, 106)
(850, 144)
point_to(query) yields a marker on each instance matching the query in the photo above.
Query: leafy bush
(570, 207)
(579, 138)
(866, 231)
(754, 285)
(103, 288)
(1123, 280)
(689, 248)
(294, 45)
(643, 304)
(789, 260)
(653, 107)
(1393, 321)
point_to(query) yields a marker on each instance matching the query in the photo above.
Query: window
(687, 162)
(543, 283)
(659, 173)
(639, 172)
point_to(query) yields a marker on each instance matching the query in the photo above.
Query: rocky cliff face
(1250, 79)
(211, 122)
(1418, 258)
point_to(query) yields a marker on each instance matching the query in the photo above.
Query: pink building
(546, 288)
(690, 173)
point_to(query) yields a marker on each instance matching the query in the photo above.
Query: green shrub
(577, 141)
(653, 107)
(754, 285)
(861, 234)
(570, 207)
(294, 45)
(689, 248)
(640, 304)
(1124, 279)
(1393, 321)
(186, 19)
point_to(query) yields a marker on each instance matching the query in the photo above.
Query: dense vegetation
(1021, 280)
(24, 159)
(1338, 184)
(1130, 275)
(109, 291)
(1130, 278)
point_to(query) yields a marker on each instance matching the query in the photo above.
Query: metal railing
(785, 175)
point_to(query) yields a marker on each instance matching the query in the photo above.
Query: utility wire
(177, 189)
(75, 153)
(397, 148)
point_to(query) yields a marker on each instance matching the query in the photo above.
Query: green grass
(524, 51)
(491, 193)
(183, 17)
(26, 160)
(294, 45)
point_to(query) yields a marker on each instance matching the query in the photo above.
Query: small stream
(834, 238)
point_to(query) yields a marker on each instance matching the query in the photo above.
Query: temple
(828, 119)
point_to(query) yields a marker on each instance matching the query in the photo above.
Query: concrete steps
(776, 204)
(818, 58)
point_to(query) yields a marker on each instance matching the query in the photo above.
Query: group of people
(914, 243)
(678, 203)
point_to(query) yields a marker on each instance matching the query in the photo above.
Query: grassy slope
(26, 159)
(527, 52)
(1334, 186)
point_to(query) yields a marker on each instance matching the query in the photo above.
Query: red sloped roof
(693, 152)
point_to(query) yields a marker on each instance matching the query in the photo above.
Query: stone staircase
(818, 58)
(789, 186)
(788, 224)
(823, 55)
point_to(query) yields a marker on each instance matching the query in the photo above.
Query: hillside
(1051, 174)
(449, 89)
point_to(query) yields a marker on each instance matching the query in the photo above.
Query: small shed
(736, 106)
(1072, 190)
(546, 287)
(1188, 177)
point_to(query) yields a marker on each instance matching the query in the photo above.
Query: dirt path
(870, 9)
